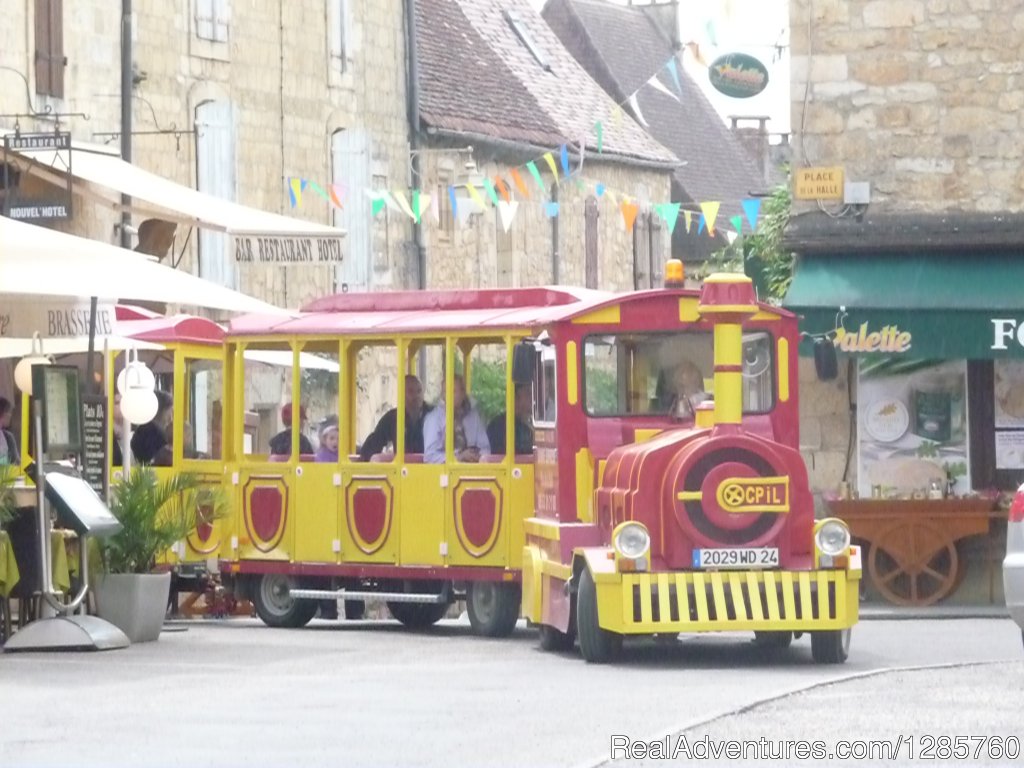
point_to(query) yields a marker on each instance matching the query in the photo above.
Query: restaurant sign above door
(285, 249)
(25, 196)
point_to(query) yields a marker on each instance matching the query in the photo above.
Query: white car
(1013, 564)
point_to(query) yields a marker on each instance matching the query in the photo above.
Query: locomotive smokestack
(728, 300)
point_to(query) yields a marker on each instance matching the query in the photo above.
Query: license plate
(739, 557)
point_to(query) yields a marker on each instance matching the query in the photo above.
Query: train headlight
(832, 537)
(631, 540)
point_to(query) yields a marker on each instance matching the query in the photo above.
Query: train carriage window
(204, 381)
(668, 373)
(545, 387)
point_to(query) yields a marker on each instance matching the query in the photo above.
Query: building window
(519, 27)
(590, 216)
(50, 60)
(213, 20)
(338, 34)
(445, 214)
(215, 175)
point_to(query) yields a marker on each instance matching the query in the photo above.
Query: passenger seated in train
(327, 451)
(281, 443)
(471, 443)
(385, 434)
(523, 424)
(151, 443)
(680, 389)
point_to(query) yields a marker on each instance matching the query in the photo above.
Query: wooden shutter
(350, 159)
(590, 217)
(215, 175)
(49, 34)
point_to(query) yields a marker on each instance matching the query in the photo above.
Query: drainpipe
(413, 104)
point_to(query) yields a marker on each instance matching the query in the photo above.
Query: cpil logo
(753, 495)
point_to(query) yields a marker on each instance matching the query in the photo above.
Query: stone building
(497, 90)
(921, 100)
(233, 101)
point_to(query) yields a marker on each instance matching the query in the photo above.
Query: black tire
(355, 609)
(831, 646)
(775, 641)
(493, 607)
(418, 615)
(598, 646)
(275, 606)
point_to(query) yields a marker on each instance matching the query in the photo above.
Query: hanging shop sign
(738, 75)
(269, 248)
(26, 197)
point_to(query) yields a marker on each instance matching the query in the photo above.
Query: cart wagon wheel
(914, 563)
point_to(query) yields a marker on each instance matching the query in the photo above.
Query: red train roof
(177, 328)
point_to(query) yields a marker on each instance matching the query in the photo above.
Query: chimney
(754, 139)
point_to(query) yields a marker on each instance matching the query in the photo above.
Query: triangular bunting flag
(550, 159)
(673, 70)
(655, 83)
(532, 168)
(583, 153)
(454, 201)
(399, 196)
(295, 187)
(599, 130)
(565, 160)
(520, 184)
(731, 236)
(688, 220)
(710, 210)
(489, 186)
(551, 209)
(435, 214)
(502, 188)
(700, 224)
(696, 52)
(337, 192)
(670, 213)
(318, 189)
(610, 194)
(629, 212)
(507, 211)
(599, 189)
(635, 105)
(420, 203)
(475, 195)
(616, 116)
(737, 223)
(378, 200)
(752, 209)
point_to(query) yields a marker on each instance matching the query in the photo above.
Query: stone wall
(922, 98)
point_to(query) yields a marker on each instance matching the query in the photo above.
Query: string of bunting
(414, 203)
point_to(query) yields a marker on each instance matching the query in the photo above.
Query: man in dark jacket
(386, 431)
(523, 420)
(8, 446)
(281, 443)
(151, 443)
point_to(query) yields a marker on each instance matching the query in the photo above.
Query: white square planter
(134, 603)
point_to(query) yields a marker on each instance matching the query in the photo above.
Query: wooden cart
(912, 557)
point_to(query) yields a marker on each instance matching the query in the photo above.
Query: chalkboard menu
(94, 442)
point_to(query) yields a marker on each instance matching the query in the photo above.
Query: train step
(390, 597)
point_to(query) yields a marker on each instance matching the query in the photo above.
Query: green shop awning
(940, 305)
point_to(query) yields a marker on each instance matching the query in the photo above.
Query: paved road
(234, 693)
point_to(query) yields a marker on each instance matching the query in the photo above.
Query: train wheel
(493, 607)
(355, 609)
(773, 640)
(831, 646)
(597, 645)
(275, 605)
(418, 615)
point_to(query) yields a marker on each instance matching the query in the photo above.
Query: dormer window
(524, 36)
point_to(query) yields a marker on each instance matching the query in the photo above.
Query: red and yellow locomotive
(706, 527)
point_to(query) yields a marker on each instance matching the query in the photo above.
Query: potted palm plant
(154, 515)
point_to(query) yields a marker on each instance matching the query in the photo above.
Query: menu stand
(56, 398)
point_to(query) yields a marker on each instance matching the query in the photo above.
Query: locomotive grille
(733, 600)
